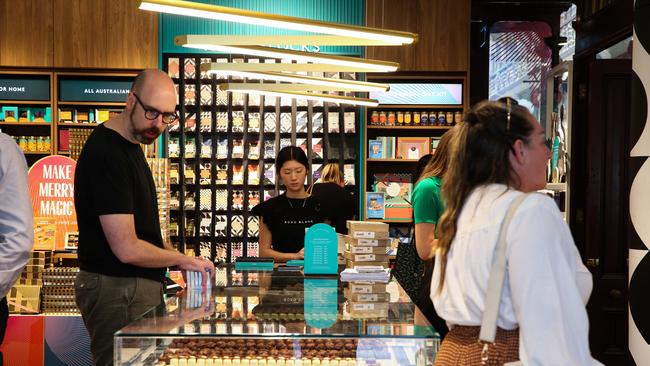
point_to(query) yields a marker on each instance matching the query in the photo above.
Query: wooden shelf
(25, 124)
(60, 124)
(374, 127)
(392, 221)
(103, 104)
(37, 152)
(393, 160)
(63, 152)
(26, 102)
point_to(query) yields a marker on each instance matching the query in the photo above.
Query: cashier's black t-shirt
(112, 177)
(287, 219)
(338, 202)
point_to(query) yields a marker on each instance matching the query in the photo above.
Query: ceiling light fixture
(253, 89)
(270, 52)
(270, 40)
(221, 67)
(342, 84)
(292, 87)
(228, 14)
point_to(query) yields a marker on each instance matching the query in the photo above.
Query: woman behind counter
(283, 219)
(330, 191)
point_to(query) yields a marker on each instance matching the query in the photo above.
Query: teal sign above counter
(94, 90)
(22, 88)
(337, 11)
(321, 250)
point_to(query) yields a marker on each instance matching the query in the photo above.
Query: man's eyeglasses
(151, 113)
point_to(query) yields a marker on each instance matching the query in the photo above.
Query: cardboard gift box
(24, 299)
(363, 242)
(34, 268)
(361, 226)
(367, 310)
(365, 257)
(31, 275)
(366, 287)
(352, 264)
(29, 282)
(368, 234)
(379, 297)
(352, 249)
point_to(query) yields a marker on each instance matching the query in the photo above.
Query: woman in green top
(426, 198)
(427, 210)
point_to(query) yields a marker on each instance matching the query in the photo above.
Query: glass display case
(281, 318)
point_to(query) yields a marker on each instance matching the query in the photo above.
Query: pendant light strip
(222, 67)
(252, 89)
(228, 14)
(262, 40)
(310, 80)
(270, 52)
(300, 87)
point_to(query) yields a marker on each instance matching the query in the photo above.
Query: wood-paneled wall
(112, 34)
(80, 33)
(26, 33)
(442, 26)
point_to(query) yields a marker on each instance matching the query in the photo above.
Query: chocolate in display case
(281, 318)
(222, 153)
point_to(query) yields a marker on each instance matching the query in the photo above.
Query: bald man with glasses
(122, 255)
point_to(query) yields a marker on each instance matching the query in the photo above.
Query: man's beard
(139, 134)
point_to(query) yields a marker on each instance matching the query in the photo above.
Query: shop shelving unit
(371, 167)
(214, 188)
(38, 129)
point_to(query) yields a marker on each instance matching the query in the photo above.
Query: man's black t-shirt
(112, 177)
(336, 200)
(287, 219)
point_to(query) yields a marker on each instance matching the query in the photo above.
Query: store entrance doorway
(606, 95)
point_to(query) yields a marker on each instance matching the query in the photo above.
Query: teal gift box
(48, 114)
(10, 114)
(25, 114)
(254, 264)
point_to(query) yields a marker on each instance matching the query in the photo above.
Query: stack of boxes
(58, 290)
(366, 244)
(24, 296)
(367, 299)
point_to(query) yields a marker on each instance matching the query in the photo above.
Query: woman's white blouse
(546, 285)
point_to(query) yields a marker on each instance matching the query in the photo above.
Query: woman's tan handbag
(495, 286)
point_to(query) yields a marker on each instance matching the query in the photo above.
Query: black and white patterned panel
(639, 260)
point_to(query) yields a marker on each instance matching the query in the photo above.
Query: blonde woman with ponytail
(498, 154)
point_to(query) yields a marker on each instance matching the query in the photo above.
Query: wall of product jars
(40, 144)
(222, 154)
(406, 125)
(415, 118)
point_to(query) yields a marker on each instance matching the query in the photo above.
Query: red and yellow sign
(51, 187)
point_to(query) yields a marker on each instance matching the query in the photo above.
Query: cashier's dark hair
(289, 153)
(479, 155)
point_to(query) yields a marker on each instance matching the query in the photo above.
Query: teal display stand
(321, 302)
(321, 246)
